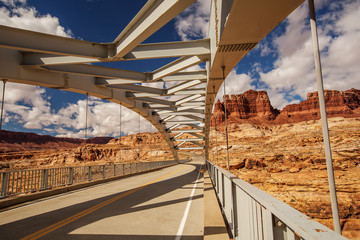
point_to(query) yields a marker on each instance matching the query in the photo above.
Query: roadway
(165, 204)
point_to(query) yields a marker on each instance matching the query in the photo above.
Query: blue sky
(282, 64)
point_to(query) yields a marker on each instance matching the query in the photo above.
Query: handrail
(253, 214)
(32, 180)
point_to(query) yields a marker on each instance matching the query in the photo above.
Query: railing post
(123, 173)
(71, 175)
(267, 223)
(235, 212)
(89, 176)
(103, 167)
(130, 167)
(114, 170)
(44, 178)
(4, 184)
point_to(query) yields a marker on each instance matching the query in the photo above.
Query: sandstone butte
(280, 152)
(255, 107)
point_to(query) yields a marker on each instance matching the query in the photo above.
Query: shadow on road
(127, 204)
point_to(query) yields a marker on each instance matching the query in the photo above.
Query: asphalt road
(165, 204)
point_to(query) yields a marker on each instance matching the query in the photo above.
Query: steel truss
(180, 113)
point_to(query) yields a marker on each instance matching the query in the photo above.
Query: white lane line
(183, 220)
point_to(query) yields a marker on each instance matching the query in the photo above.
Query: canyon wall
(255, 107)
(19, 141)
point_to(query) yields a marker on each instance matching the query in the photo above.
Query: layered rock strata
(255, 107)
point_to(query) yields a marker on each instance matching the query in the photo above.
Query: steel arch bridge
(235, 27)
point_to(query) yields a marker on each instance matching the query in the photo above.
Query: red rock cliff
(255, 107)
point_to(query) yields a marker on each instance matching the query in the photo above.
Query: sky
(282, 63)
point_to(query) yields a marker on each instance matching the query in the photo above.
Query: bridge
(168, 203)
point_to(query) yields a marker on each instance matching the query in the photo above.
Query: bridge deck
(147, 206)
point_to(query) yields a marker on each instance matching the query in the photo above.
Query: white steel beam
(178, 135)
(25, 40)
(111, 81)
(180, 144)
(200, 91)
(183, 86)
(142, 51)
(169, 50)
(188, 139)
(186, 76)
(197, 118)
(154, 15)
(195, 126)
(186, 108)
(138, 95)
(41, 59)
(185, 122)
(190, 111)
(161, 107)
(176, 66)
(168, 118)
(174, 126)
(154, 100)
(139, 88)
(187, 99)
(192, 91)
(196, 135)
(98, 71)
(194, 104)
(187, 131)
(185, 114)
(189, 148)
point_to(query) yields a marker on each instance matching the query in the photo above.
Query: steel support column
(324, 122)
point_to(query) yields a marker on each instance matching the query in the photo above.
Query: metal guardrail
(253, 214)
(28, 181)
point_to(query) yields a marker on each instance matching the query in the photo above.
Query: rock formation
(17, 141)
(255, 107)
(338, 103)
(252, 104)
(288, 162)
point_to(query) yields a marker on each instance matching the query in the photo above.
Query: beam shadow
(127, 204)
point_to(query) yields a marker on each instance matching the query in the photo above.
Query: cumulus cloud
(30, 106)
(293, 74)
(103, 119)
(34, 111)
(13, 3)
(193, 23)
(235, 84)
(17, 14)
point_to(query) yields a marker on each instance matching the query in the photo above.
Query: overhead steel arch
(235, 27)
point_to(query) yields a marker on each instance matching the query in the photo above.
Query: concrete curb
(214, 224)
(11, 201)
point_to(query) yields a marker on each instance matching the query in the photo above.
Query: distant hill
(17, 141)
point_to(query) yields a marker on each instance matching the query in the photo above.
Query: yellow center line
(68, 220)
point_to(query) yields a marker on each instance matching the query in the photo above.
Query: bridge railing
(253, 214)
(33, 180)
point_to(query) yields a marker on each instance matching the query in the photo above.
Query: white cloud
(30, 106)
(103, 119)
(193, 23)
(34, 111)
(339, 40)
(26, 17)
(235, 84)
(13, 3)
